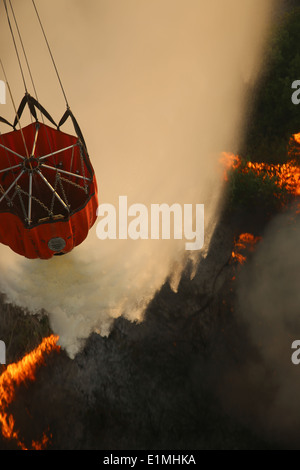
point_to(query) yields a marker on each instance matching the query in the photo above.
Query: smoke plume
(158, 89)
(265, 388)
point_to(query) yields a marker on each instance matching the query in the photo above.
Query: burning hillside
(246, 241)
(286, 176)
(15, 374)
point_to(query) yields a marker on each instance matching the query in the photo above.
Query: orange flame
(229, 161)
(13, 376)
(244, 241)
(296, 137)
(287, 174)
(239, 258)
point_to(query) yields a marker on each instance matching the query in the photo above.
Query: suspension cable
(14, 106)
(29, 69)
(16, 49)
(50, 52)
(23, 49)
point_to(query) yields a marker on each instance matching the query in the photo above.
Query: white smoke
(158, 88)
